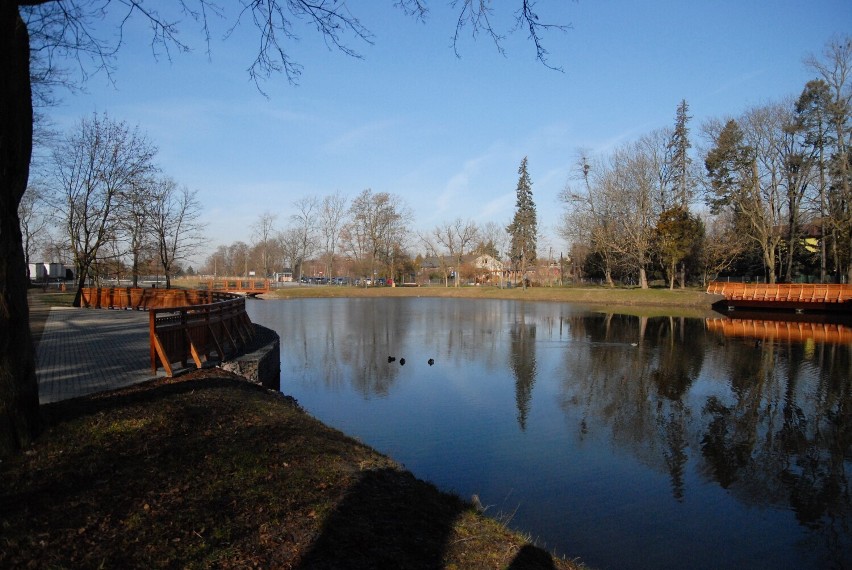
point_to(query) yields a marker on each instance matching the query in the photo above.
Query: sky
(445, 133)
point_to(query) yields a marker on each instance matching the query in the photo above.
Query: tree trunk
(792, 235)
(769, 262)
(643, 278)
(82, 275)
(135, 269)
(849, 268)
(19, 413)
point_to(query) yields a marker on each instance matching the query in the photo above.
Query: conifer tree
(679, 160)
(524, 226)
(813, 119)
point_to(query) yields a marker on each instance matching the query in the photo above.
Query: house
(489, 269)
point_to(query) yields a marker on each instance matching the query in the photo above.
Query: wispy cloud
(498, 208)
(737, 82)
(367, 133)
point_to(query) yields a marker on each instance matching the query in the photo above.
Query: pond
(624, 441)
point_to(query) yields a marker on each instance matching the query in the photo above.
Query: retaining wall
(260, 361)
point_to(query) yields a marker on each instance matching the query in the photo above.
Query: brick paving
(83, 351)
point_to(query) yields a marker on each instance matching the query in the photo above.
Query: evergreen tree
(680, 166)
(813, 115)
(728, 168)
(524, 226)
(677, 236)
(679, 161)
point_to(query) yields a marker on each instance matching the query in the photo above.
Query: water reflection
(746, 425)
(629, 376)
(522, 362)
(778, 436)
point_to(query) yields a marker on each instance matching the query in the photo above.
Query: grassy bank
(593, 296)
(209, 471)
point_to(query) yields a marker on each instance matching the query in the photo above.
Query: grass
(665, 300)
(209, 471)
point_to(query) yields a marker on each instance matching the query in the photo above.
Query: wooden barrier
(184, 324)
(800, 296)
(198, 332)
(142, 299)
(238, 285)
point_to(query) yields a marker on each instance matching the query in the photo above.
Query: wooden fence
(238, 285)
(183, 324)
(786, 293)
(142, 299)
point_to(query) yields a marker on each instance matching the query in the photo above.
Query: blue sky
(447, 134)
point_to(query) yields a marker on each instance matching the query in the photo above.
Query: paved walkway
(83, 351)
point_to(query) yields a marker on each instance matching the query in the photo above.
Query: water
(626, 442)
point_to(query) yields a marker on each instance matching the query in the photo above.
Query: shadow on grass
(405, 514)
(389, 519)
(532, 558)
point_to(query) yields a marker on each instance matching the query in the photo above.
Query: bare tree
(723, 244)
(263, 231)
(457, 237)
(238, 258)
(174, 223)
(332, 216)
(798, 172)
(33, 213)
(288, 243)
(98, 162)
(433, 252)
(134, 213)
(590, 216)
(378, 225)
(305, 223)
(216, 262)
(835, 68)
(633, 184)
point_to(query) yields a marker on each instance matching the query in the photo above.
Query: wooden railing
(783, 292)
(142, 299)
(183, 324)
(198, 332)
(238, 285)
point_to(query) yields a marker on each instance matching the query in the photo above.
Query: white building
(41, 272)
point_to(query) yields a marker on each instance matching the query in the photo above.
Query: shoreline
(593, 296)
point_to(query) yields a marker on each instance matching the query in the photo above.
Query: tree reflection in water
(522, 362)
(768, 438)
